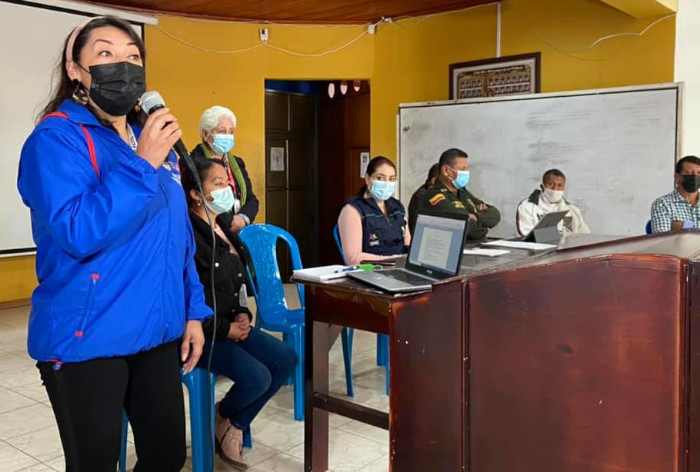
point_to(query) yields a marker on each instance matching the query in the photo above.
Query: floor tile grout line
(24, 453)
(35, 458)
(10, 372)
(261, 441)
(52, 459)
(340, 428)
(27, 434)
(253, 464)
(22, 408)
(25, 396)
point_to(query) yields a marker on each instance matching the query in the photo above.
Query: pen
(347, 269)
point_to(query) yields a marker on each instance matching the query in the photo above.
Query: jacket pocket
(92, 289)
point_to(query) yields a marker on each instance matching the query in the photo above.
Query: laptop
(435, 254)
(546, 230)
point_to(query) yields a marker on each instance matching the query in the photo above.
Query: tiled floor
(29, 439)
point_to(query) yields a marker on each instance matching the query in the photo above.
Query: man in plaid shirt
(679, 209)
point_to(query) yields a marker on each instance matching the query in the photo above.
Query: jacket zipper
(88, 306)
(167, 243)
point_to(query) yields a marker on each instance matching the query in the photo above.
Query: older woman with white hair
(217, 127)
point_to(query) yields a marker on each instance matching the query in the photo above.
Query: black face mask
(691, 183)
(117, 87)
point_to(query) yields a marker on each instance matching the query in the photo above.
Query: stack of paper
(521, 245)
(485, 252)
(323, 273)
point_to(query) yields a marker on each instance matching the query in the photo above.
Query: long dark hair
(203, 165)
(65, 88)
(374, 164)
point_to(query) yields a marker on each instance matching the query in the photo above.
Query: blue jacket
(114, 252)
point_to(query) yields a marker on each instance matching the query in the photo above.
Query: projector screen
(32, 36)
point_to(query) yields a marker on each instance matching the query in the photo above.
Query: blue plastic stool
(125, 435)
(346, 338)
(202, 402)
(382, 350)
(348, 333)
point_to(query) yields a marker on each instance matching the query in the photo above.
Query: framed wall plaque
(511, 75)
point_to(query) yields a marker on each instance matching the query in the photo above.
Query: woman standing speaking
(118, 287)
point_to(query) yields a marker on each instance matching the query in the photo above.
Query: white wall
(32, 35)
(688, 71)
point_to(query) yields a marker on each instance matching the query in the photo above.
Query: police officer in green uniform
(450, 195)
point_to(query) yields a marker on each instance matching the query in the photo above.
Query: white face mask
(223, 200)
(553, 196)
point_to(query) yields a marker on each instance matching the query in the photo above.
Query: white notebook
(324, 273)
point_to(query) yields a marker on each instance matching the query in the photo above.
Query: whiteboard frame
(87, 9)
(677, 86)
(79, 9)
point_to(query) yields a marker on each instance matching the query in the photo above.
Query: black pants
(88, 399)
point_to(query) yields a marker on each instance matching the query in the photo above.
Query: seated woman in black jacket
(258, 363)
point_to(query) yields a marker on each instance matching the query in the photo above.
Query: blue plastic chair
(348, 335)
(648, 227)
(202, 413)
(260, 240)
(125, 436)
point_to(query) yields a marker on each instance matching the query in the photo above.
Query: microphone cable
(150, 102)
(212, 288)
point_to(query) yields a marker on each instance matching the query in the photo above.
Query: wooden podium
(584, 359)
(587, 360)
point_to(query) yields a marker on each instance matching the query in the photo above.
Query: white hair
(211, 117)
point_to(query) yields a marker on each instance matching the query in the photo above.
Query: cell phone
(389, 262)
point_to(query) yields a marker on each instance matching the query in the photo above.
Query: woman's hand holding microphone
(160, 133)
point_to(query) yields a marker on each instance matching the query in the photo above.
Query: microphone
(152, 101)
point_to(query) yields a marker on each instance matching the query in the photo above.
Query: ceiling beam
(644, 8)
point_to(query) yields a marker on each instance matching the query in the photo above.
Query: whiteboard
(617, 148)
(33, 36)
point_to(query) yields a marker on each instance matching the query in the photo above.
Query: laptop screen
(437, 243)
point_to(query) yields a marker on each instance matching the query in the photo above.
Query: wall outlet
(264, 34)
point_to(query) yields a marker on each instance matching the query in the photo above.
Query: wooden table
(583, 359)
(422, 358)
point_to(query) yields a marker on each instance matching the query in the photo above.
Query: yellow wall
(192, 80)
(18, 278)
(406, 62)
(644, 8)
(411, 63)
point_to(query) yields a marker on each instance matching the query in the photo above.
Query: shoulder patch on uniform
(436, 199)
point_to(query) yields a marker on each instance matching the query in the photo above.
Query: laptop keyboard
(404, 276)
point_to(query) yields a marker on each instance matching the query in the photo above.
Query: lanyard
(132, 137)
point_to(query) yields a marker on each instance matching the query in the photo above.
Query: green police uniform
(463, 203)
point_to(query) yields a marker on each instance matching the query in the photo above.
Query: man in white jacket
(547, 199)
